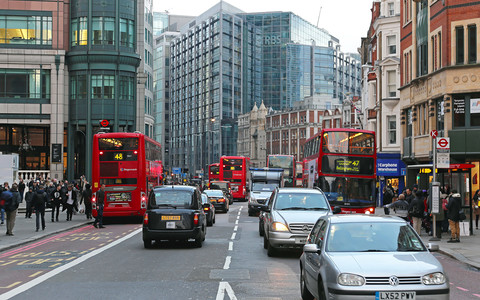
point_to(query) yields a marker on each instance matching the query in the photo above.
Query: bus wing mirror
(337, 210)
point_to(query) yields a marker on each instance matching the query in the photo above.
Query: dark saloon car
(209, 210)
(174, 212)
(218, 199)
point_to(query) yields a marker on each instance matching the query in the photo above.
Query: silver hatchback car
(369, 257)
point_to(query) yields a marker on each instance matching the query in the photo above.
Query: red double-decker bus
(213, 172)
(342, 163)
(285, 162)
(129, 164)
(299, 174)
(236, 169)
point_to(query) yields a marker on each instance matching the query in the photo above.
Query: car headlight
(434, 278)
(350, 279)
(277, 226)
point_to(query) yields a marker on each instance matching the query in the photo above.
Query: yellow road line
(54, 265)
(10, 286)
(36, 274)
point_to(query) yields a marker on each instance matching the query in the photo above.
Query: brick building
(440, 73)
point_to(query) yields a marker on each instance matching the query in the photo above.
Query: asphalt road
(111, 263)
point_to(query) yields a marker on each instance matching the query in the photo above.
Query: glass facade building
(225, 61)
(102, 64)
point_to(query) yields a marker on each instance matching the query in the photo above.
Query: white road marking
(233, 236)
(236, 222)
(24, 287)
(238, 217)
(230, 246)
(235, 228)
(228, 260)
(225, 287)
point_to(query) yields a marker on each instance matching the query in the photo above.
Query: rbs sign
(272, 40)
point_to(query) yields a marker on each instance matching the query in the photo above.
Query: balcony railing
(28, 175)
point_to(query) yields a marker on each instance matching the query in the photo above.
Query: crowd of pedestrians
(41, 194)
(414, 206)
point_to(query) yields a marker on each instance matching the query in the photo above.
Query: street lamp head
(212, 120)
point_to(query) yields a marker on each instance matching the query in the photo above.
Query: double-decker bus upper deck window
(118, 143)
(361, 143)
(233, 164)
(335, 142)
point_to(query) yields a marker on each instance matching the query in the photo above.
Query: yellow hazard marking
(54, 265)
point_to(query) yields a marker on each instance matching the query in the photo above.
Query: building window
(78, 87)
(391, 44)
(79, 32)
(103, 86)
(392, 129)
(127, 88)
(26, 30)
(407, 11)
(472, 44)
(474, 111)
(103, 31)
(391, 9)
(25, 84)
(459, 36)
(127, 31)
(423, 119)
(392, 83)
(409, 122)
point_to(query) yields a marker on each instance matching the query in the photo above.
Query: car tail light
(195, 219)
(244, 190)
(145, 219)
(94, 202)
(221, 200)
(143, 202)
(206, 208)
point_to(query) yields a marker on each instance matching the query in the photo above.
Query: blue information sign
(177, 171)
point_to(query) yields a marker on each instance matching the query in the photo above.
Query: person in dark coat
(11, 206)
(38, 202)
(87, 197)
(21, 189)
(453, 213)
(416, 209)
(57, 198)
(28, 202)
(409, 196)
(70, 200)
(100, 202)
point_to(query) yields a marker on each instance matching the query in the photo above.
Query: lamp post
(211, 144)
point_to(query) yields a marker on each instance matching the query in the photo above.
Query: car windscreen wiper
(167, 205)
(318, 208)
(294, 208)
(410, 250)
(375, 250)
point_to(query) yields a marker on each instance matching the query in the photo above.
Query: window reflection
(26, 30)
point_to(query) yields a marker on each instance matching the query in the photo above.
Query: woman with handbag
(476, 207)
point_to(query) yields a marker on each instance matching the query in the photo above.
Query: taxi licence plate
(170, 218)
(395, 295)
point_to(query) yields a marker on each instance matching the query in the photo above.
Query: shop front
(391, 170)
(458, 177)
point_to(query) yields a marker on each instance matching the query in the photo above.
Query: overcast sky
(348, 20)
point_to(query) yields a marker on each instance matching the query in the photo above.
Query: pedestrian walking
(476, 207)
(400, 207)
(28, 202)
(387, 197)
(11, 208)
(100, 202)
(87, 198)
(409, 196)
(38, 202)
(70, 201)
(454, 206)
(415, 211)
(57, 198)
(21, 189)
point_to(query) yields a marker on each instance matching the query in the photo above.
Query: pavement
(24, 232)
(25, 229)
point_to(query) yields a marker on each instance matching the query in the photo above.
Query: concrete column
(58, 102)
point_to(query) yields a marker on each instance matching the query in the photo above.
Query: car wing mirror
(265, 208)
(311, 248)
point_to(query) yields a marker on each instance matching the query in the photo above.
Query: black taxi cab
(174, 213)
